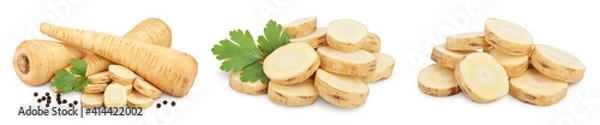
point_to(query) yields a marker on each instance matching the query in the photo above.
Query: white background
(408, 30)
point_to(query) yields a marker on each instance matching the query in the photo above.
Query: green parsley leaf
(244, 54)
(253, 73)
(274, 37)
(66, 81)
(237, 56)
(78, 67)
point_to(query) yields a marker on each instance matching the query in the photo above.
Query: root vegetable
(120, 74)
(35, 61)
(536, 89)
(128, 88)
(385, 67)
(557, 64)
(170, 70)
(448, 58)
(514, 65)
(315, 39)
(438, 80)
(466, 41)
(358, 63)
(115, 95)
(99, 78)
(95, 88)
(340, 90)
(135, 99)
(146, 88)
(482, 78)
(346, 35)
(291, 63)
(92, 100)
(301, 94)
(508, 37)
(373, 43)
(250, 88)
(301, 27)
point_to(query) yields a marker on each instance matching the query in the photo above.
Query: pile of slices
(509, 64)
(118, 87)
(334, 62)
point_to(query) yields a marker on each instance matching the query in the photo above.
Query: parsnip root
(448, 58)
(301, 27)
(346, 35)
(135, 99)
(467, 41)
(120, 74)
(358, 63)
(97, 88)
(438, 80)
(99, 78)
(385, 67)
(557, 64)
(340, 90)
(92, 100)
(536, 89)
(146, 88)
(250, 88)
(115, 95)
(508, 37)
(482, 78)
(291, 63)
(301, 94)
(35, 61)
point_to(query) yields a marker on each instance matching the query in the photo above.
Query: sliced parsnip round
(340, 90)
(373, 43)
(101, 77)
(385, 67)
(301, 94)
(448, 58)
(291, 63)
(513, 64)
(250, 88)
(135, 99)
(146, 88)
(315, 39)
(95, 88)
(301, 27)
(557, 64)
(128, 88)
(536, 89)
(437, 80)
(92, 100)
(482, 78)
(357, 63)
(508, 37)
(467, 41)
(115, 95)
(346, 35)
(121, 74)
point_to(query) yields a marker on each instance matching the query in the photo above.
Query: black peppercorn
(157, 105)
(173, 103)
(35, 94)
